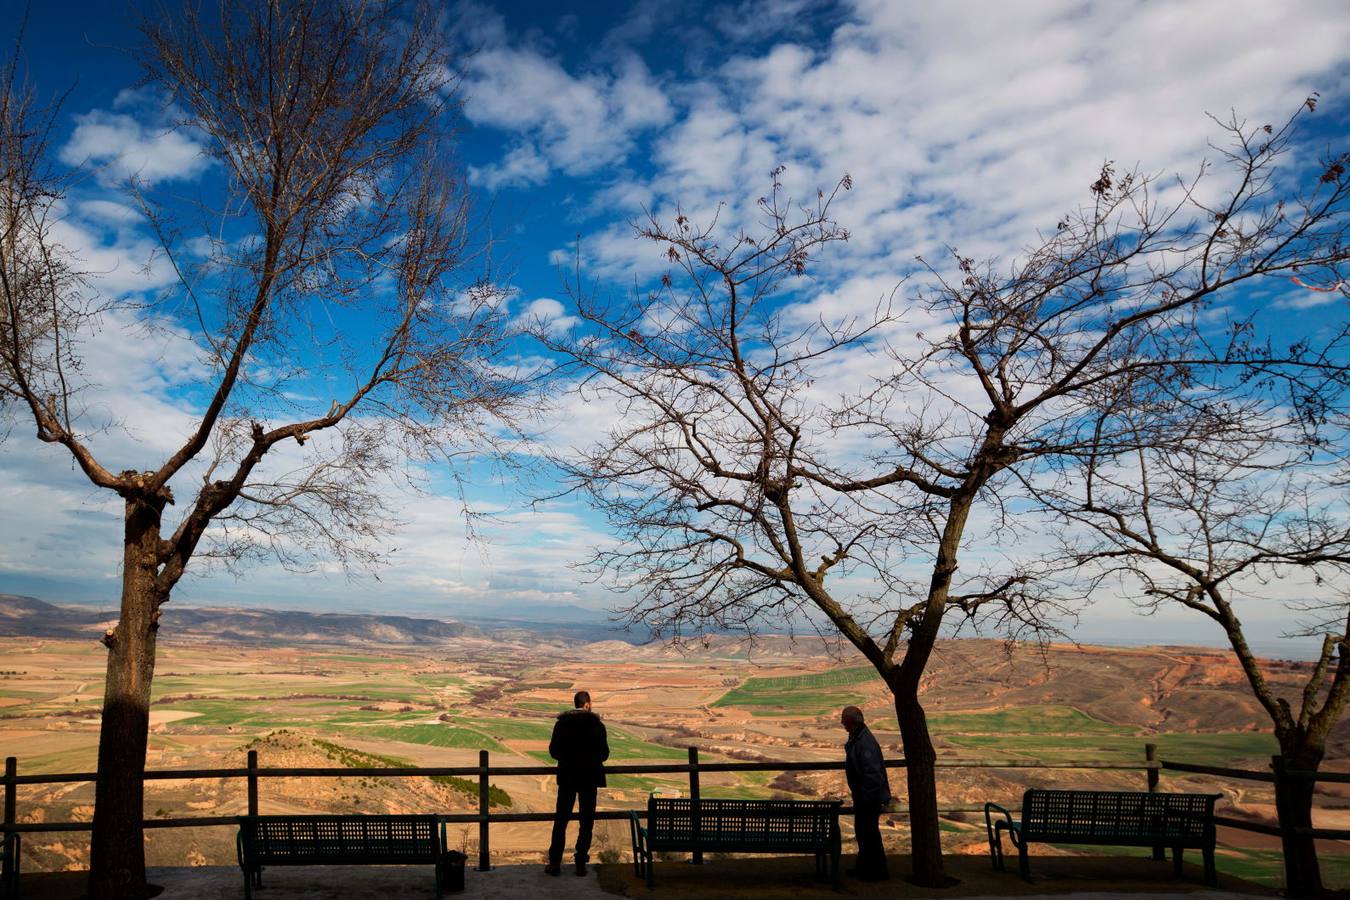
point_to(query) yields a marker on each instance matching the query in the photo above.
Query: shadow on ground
(746, 877)
(795, 877)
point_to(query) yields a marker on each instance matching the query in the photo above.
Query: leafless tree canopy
(339, 344)
(748, 478)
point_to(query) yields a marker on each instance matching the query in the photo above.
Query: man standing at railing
(871, 791)
(581, 747)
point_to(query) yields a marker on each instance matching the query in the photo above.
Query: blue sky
(961, 123)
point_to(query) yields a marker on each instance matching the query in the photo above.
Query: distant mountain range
(22, 616)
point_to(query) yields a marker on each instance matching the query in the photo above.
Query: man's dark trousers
(871, 852)
(584, 797)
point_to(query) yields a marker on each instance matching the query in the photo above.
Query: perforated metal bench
(737, 826)
(1122, 818)
(343, 841)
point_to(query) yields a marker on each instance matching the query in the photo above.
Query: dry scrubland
(438, 706)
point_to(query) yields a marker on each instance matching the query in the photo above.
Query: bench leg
(1023, 862)
(651, 871)
(834, 867)
(1211, 877)
(996, 845)
(1159, 851)
(1176, 861)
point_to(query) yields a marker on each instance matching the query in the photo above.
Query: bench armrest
(639, 833)
(996, 817)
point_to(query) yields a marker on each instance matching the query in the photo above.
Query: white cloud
(109, 212)
(576, 123)
(548, 314)
(520, 167)
(974, 124)
(118, 262)
(123, 147)
(1308, 299)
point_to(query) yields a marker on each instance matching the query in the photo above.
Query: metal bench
(1122, 818)
(737, 826)
(346, 841)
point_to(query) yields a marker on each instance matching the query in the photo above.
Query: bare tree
(1249, 505)
(337, 239)
(743, 487)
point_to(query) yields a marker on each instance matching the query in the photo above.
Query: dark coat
(581, 747)
(866, 772)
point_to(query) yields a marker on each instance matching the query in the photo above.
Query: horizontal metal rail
(1221, 771)
(635, 769)
(483, 772)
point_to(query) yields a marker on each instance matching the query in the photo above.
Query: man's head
(582, 700)
(851, 718)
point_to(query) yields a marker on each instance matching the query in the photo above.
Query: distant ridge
(23, 616)
(30, 617)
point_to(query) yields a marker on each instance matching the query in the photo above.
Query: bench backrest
(297, 839)
(1120, 814)
(742, 821)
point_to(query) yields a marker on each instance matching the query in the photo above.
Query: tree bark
(1293, 804)
(921, 779)
(117, 853)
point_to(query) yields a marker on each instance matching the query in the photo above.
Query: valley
(438, 702)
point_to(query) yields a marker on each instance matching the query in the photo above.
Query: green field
(534, 706)
(798, 695)
(1055, 720)
(511, 729)
(430, 736)
(1205, 749)
(643, 783)
(439, 680)
(624, 745)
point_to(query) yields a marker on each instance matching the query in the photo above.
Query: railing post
(484, 852)
(10, 863)
(1151, 757)
(253, 782)
(694, 812)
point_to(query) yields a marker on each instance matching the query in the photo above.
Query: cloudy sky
(974, 124)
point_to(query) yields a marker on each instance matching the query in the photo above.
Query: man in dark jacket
(581, 747)
(871, 791)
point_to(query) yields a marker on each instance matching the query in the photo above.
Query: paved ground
(332, 882)
(381, 882)
(530, 882)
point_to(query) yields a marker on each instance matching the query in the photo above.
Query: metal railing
(484, 817)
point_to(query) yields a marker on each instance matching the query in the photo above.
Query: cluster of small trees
(1084, 386)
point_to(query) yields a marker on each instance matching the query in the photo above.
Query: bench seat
(333, 840)
(1122, 818)
(737, 826)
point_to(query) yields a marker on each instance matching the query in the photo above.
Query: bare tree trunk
(920, 759)
(117, 855)
(1293, 804)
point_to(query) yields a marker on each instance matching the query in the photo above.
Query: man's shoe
(552, 869)
(581, 868)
